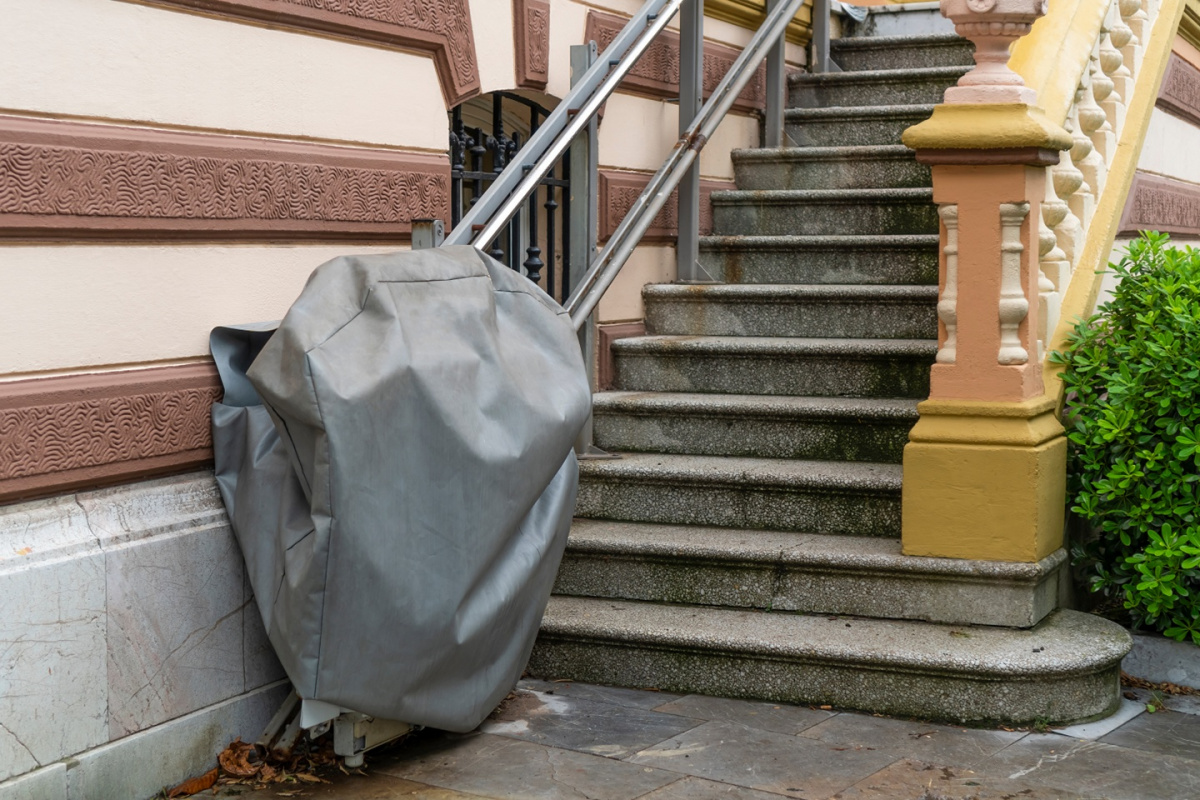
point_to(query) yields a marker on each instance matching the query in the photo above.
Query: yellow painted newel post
(985, 467)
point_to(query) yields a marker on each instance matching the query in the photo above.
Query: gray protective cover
(397, 463)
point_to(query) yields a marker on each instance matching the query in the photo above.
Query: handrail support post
(581, 248)
(776, 75)
(820, 37)
(691, 87)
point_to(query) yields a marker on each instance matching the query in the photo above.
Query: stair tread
(1065, 643)
(793, 241)
(823, 153)
(775, 345)
(902, 75)
(764, 196)
(758, 405)
(891, 42)
(786, 548)
(742, 471)
(841, 112)
(789, 292)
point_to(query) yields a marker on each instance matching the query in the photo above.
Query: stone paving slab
(917, 780)
(1094, 769)
(1164, 733)
(509, 769)
(925, 741)
(757, 759)
(780, 718)
(637, 698)
(590, 726)
(568, 740)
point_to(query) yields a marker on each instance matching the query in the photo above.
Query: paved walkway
(572, 740)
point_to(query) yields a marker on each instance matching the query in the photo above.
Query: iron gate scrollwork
(541, 228)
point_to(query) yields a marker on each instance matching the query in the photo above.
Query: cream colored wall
(72, 307)
(120, 61)
(87, 306)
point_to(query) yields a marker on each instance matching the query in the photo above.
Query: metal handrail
(637, 221)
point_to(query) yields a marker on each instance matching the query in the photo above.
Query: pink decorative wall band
(60, 434)
(531, 33)
(656, 74)
(1162, 204)
(1180, 91)
(619, 190)
(65, 179)
(441, 28)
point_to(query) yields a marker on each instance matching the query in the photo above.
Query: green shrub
(1133, 422)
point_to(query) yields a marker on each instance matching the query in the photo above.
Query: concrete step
(872, 87)
(1063, 670)
(874, 260)
(783, 571)
(843, 126)
(865, 167)
(855, 499)
(824, 212)
(776, 366)
(823, 310)
(902, 52)
(756, 426)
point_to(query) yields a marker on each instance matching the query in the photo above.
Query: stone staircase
(746, 543)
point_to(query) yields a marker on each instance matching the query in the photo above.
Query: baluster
(1112, 63)
(551, 205)
(1134, 18)
(1053, 264)
(533, 261)
(1074, 186)
(459, 141)
(947, 307)
(1014, 307)
(497, 143)
(478, 150)
(1091, 125)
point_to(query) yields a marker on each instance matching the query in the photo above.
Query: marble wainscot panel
(126, 611)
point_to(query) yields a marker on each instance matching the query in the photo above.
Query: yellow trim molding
(750, 14)
(1189, 23)
(980, 126)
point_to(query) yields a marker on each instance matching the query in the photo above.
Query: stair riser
(684, 502)
(781, 588)
(821, 440)
(867, 173)
(806, 376)
(832, 319)
(946, 55)
(912, 91)
(809, 266)
(929, 694)
(848, 132)
(756, 217)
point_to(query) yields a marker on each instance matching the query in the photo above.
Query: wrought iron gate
(536, 238)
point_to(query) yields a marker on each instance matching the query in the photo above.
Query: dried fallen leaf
(195, 785)
(236, 759)
(309, 778)
(24, 551)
